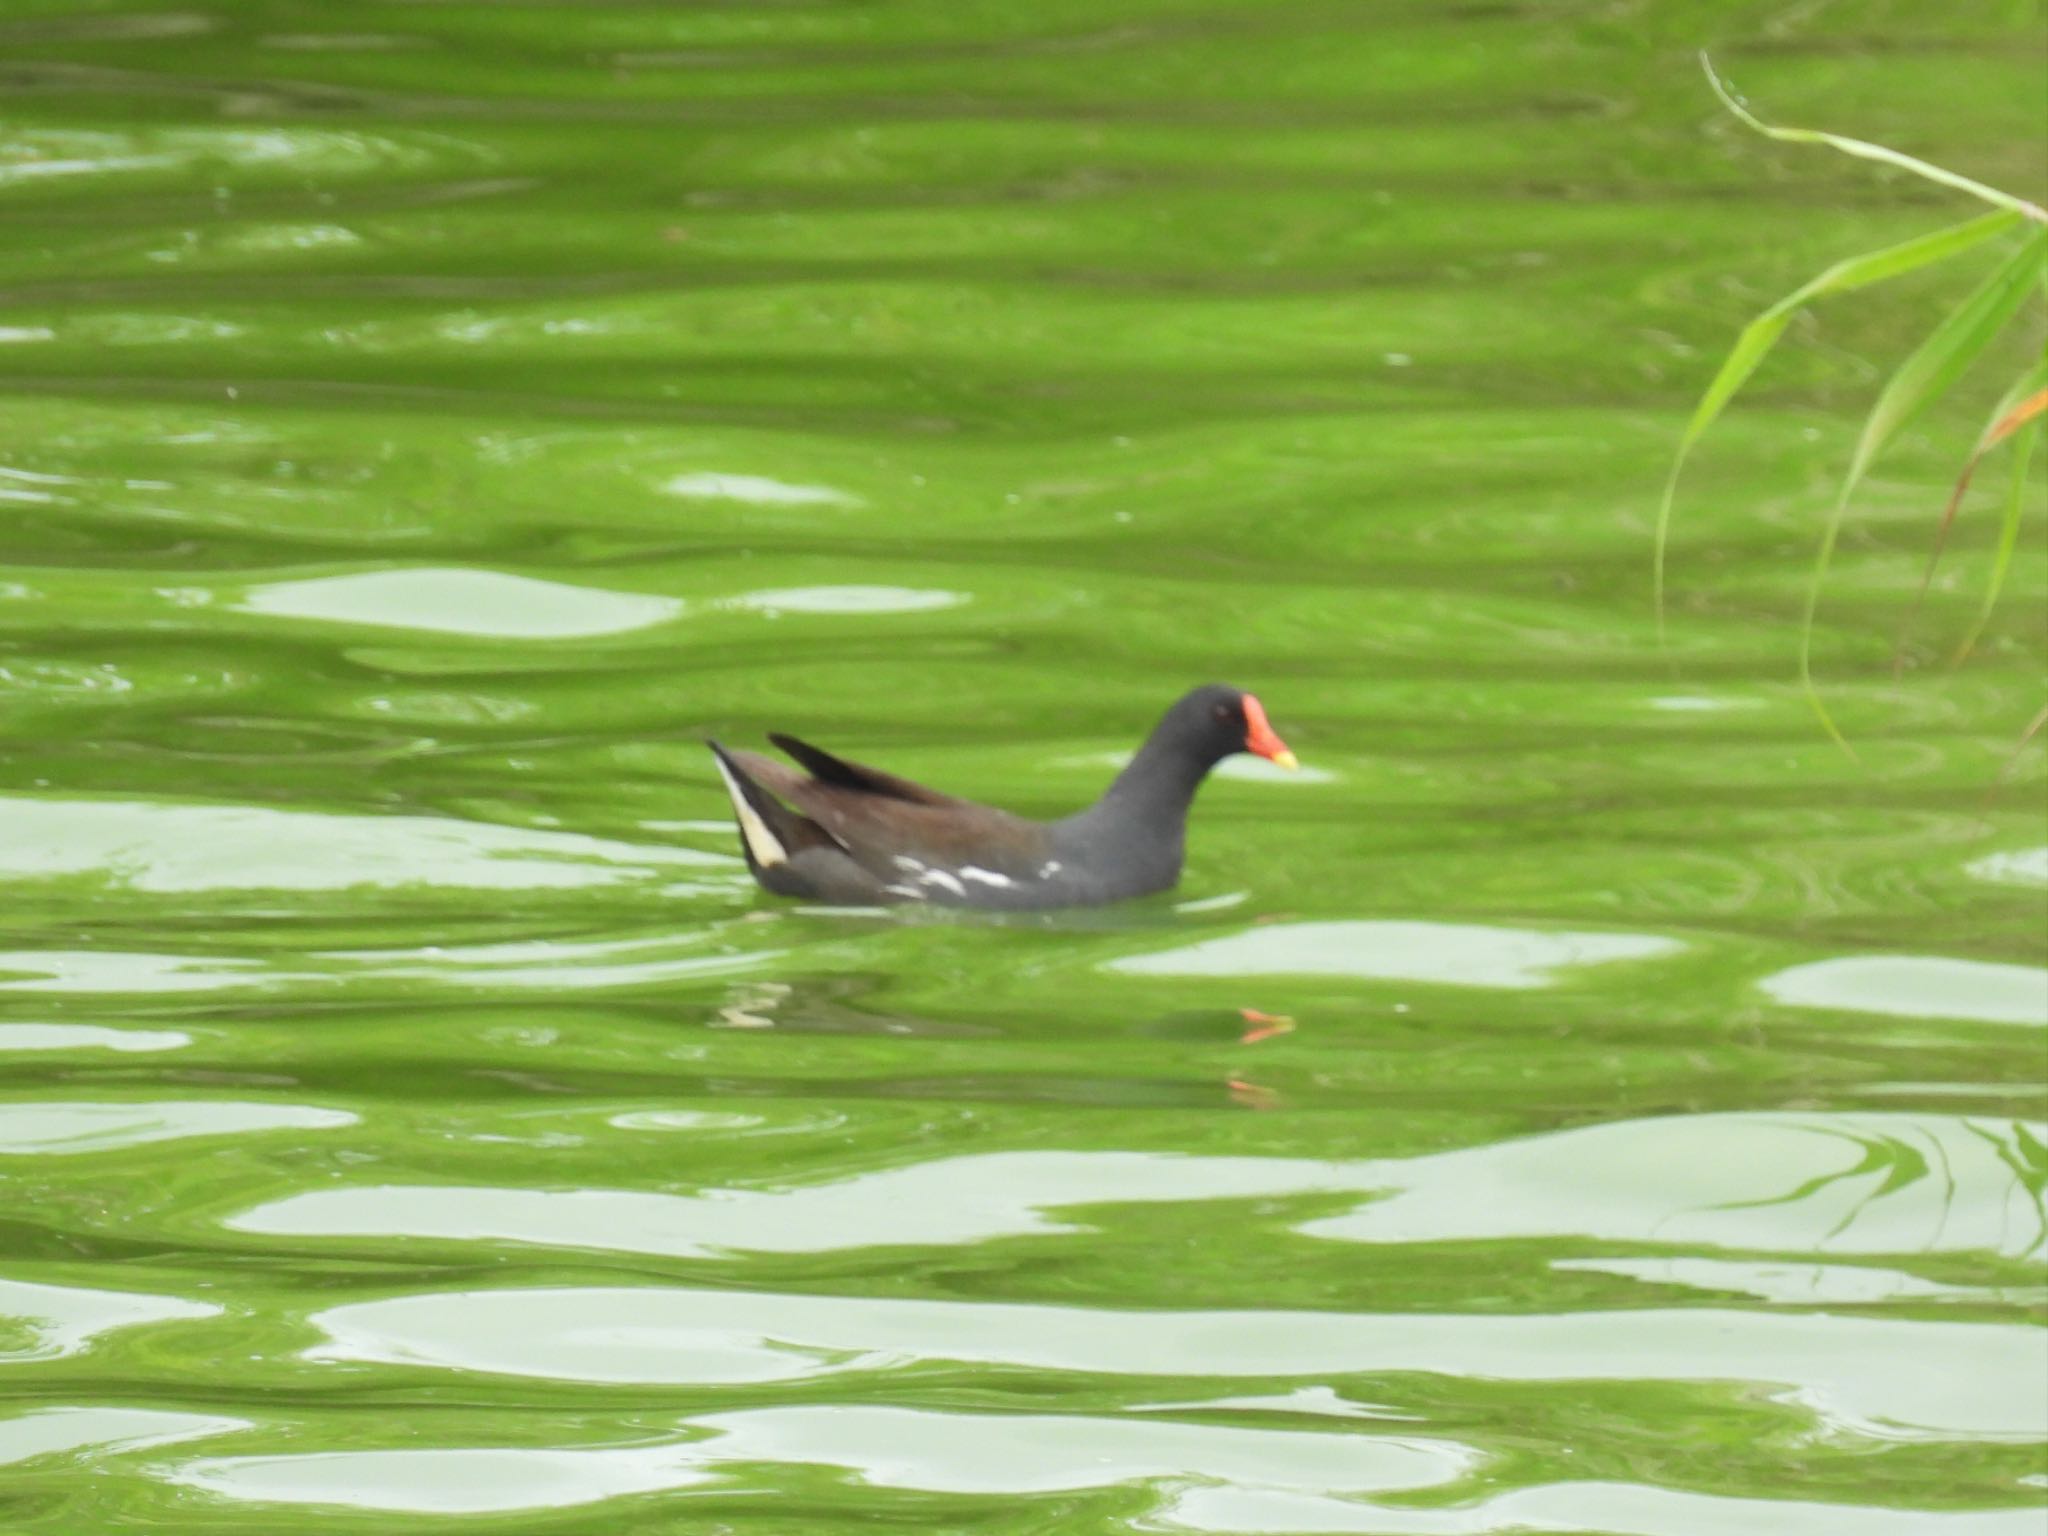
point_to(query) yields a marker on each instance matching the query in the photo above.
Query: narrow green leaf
(2012, 758)
(1865, 150)
(1920, 380)
(1952, 346)
(2008, 534)
(2018, 405)
(1762, 333)
(2033, 729)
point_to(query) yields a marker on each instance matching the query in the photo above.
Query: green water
(420, 424)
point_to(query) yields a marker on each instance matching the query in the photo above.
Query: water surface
(424, 423)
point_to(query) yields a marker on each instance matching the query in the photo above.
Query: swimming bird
(841, 833)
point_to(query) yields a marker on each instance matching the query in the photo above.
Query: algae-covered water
(421, 424)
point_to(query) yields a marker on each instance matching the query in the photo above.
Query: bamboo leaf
(2021, 403)
(2034, 405)
(1920, 380)
(2009, 529)
(1865, 150)
(1952, 346)
(2012, 758)
(1762, 333)
(2033, 728)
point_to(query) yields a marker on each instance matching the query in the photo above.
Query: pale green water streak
(420, 424)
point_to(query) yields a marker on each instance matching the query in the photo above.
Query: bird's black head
(1214, 721)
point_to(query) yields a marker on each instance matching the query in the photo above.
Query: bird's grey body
(846, 834)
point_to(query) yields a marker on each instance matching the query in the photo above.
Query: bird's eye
(1222, 711)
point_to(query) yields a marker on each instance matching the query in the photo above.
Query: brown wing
(841, 774)
(882, 820)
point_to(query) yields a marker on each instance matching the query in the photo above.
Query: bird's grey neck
(1158, 786)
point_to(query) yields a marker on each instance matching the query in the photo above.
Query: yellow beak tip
(1287, 760)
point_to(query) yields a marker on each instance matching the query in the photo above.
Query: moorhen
(862, 837)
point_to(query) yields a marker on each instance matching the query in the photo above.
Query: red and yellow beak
(1259, 737)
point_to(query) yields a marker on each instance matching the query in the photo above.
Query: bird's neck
(1157, 787)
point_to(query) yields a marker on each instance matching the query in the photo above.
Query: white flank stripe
(986, 876)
